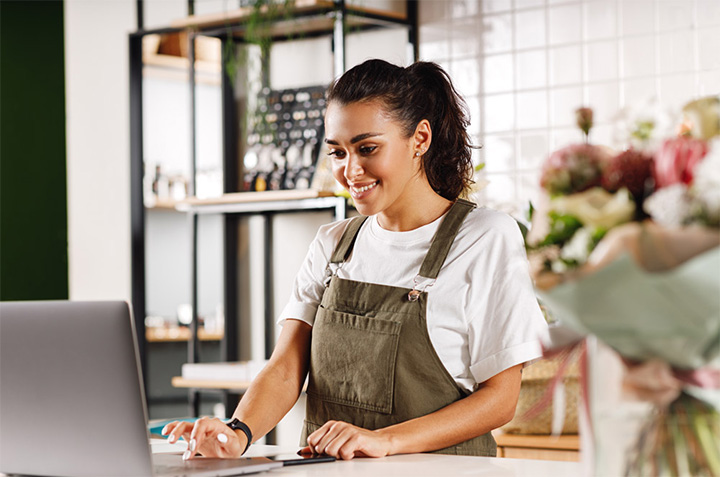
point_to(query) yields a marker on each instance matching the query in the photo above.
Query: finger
(192, 445)
(346, 452)
(195, 438)
(306, 451)
(200, 424)
(168, 427)
(177, 430)
(314, 438)
(332, 433)
(344, 444)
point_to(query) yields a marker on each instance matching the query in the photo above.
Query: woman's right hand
(209, 437)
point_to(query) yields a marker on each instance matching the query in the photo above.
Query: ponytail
(423, 90)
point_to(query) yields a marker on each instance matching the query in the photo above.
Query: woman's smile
(359, 191)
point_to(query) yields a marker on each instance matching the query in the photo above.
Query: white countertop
(410, 465)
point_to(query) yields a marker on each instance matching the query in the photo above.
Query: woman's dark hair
(423, 90)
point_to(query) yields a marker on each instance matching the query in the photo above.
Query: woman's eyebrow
(357, 138)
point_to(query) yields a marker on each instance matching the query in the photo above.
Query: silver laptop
(72, 401)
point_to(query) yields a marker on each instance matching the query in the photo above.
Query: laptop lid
(71, 396)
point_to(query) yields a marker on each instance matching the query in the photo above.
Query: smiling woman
(381, 170)
(413, 320)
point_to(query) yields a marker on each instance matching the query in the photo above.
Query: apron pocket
(352, 360)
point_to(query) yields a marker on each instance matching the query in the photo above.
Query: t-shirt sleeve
(511, 327)
(308, 287)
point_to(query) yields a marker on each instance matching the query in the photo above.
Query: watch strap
(237, 425)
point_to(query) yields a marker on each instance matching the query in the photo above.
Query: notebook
(72, 401)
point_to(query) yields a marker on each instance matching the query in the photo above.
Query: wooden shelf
(265, 196)
(267, 201)
(567, 442)
(163, 204)
(180, 334)
(303, 17)
(542, 447)
(181, 63)
(180, 382)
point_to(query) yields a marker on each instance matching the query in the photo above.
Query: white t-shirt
(482, 313)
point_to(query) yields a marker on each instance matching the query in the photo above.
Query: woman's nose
(353, 168)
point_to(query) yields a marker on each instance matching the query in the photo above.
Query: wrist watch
(237, 425)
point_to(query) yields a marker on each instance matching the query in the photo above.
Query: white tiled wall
(524, 66)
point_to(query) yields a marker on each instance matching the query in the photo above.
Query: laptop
(72, 401)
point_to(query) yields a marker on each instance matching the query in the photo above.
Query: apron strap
(439, 248)
(444, 237)
(345, 245)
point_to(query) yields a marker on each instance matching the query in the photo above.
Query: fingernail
(192, 444)
(317, 449)
(164, 430)
(222, 438)
(171, 439)
(187, 455)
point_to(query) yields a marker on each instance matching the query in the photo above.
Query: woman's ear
(422, 137)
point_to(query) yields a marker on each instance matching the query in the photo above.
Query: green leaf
(562, 228)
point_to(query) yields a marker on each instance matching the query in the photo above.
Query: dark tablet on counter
(295, 459)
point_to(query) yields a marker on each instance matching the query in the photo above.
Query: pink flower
(631, 169)
(573, 168)
(676, 159)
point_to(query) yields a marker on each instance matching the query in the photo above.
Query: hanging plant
(263, 15)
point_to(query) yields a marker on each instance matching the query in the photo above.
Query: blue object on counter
(156, 427)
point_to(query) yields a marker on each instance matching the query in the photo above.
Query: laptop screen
(71, 397)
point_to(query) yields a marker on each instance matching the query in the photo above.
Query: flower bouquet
(625, 249)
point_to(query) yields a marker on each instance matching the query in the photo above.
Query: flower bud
(584, 119)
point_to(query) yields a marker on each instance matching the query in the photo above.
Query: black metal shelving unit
(308, 18)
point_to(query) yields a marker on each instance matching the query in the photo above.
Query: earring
(417, 153)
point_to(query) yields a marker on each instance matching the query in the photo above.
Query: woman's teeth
(364, 188)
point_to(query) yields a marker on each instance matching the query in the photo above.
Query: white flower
(644, 124)
(597, 207)
(669, 206)
(705, 188)
(558, 266)
(579, 246)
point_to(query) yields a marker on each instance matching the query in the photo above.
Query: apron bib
(372, 363)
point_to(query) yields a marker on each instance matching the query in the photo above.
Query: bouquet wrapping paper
(649, 298)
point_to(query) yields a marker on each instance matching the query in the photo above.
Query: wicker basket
(535, 381)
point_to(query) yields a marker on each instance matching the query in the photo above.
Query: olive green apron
(372, 363)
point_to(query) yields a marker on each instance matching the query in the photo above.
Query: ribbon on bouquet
(554, 394)
(657, 382)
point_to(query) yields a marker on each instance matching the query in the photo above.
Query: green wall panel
(33, 196)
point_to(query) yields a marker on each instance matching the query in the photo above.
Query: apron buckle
(420, 285)
(414, 295)
(330, 273)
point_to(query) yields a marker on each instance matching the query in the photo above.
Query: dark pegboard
(284, 140)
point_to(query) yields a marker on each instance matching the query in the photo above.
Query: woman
(413, 324)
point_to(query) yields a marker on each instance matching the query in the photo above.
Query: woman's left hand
(345, 441)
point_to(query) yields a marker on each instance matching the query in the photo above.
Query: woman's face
(372, 158)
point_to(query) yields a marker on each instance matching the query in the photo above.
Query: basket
(535, 382)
